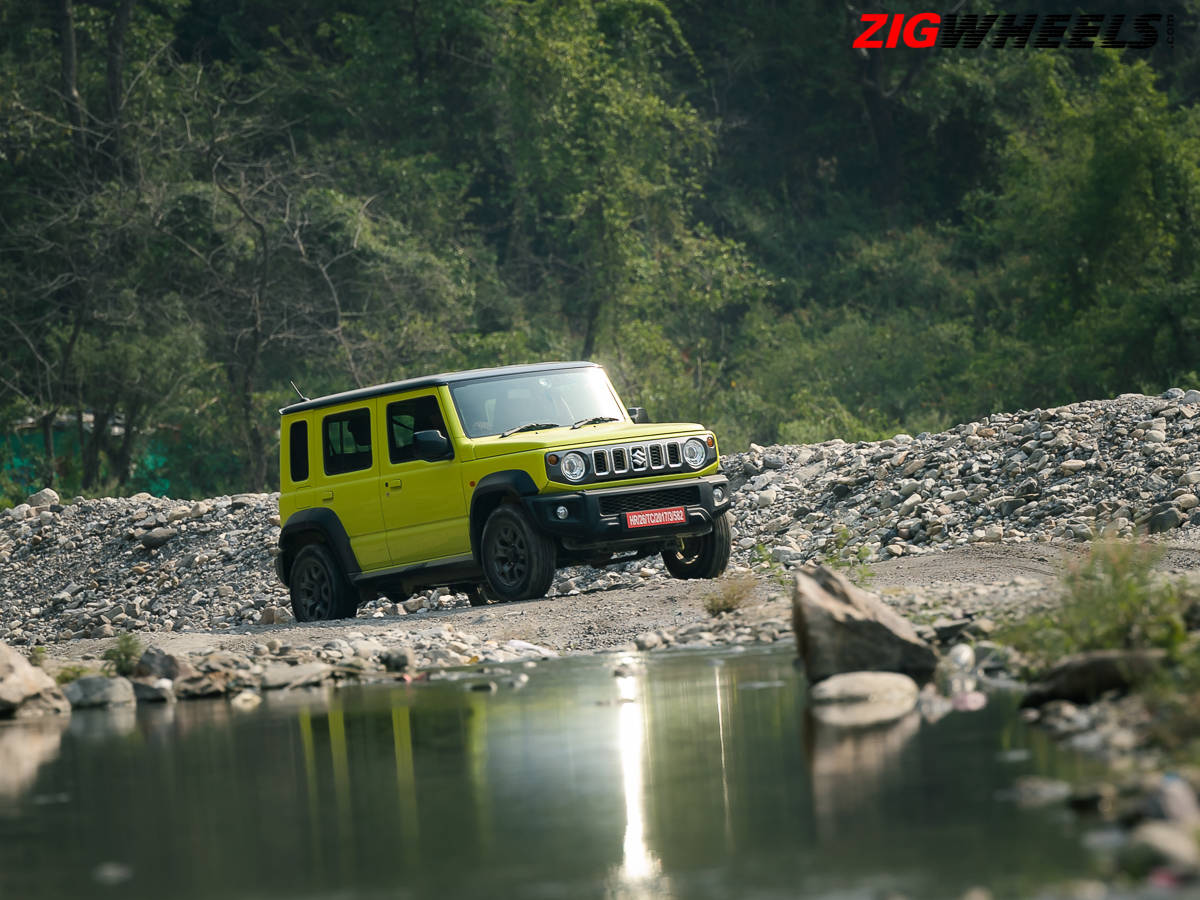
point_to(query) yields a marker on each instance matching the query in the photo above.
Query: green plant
(123, 656)
(853, 564)
(729, 594)
(67, 674)
(1113, 599)
(37, 655)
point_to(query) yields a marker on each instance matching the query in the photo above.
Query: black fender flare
(322, 524)
(489, 493)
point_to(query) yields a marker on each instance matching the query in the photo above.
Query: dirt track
(610, 620)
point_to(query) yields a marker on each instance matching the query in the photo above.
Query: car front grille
(635, 502)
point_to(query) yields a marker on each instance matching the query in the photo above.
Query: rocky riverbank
(95, 568)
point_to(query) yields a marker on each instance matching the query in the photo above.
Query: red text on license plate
(675, 515)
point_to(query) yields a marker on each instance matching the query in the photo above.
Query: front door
(424, 509)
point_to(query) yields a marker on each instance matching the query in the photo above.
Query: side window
(347, 441)
(405, 418)
(298, 450)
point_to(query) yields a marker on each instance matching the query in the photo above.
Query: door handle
(328, 495)
(394, 483)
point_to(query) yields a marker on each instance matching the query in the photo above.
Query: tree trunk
(66, 34)
(50, 462)
(115, 61)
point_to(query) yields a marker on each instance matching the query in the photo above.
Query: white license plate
(674, 515)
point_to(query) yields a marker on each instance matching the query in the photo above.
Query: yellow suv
(486, 482)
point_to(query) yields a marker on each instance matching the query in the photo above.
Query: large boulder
(43, 498)
(1083, 677)
(99, 691)
(26, 692)
(842, 628)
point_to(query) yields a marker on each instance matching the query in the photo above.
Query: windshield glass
(495, 405)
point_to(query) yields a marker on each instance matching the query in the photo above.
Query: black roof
(428, 381)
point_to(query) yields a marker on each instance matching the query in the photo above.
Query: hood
(564, 438)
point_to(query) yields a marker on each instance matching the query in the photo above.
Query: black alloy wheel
(319, 590)
(704, 556)
(518, 560)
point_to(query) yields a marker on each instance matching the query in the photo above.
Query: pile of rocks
(1037, 475)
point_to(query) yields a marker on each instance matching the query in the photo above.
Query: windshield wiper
(532, 426)
(594, 420)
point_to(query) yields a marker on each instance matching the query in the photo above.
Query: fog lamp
(718, 495)
(561, 512)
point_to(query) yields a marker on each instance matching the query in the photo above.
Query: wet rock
(1086, 676)
(1032, 791)
(860, 699)
(281, 675)
(99, 691)
(26, 692)
(842, 628)
(153, 690)
(156, 663)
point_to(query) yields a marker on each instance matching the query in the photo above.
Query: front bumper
(596, 517)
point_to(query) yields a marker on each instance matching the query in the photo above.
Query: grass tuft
(729, 594)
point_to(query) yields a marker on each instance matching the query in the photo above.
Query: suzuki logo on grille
(639, 457)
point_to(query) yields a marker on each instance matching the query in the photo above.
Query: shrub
(67, 674)
(123, 656)
(1113, 599)
(37, 655)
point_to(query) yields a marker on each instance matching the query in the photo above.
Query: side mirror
(638, 414)
(431, 446)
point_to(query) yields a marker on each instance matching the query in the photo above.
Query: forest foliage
(751, 224)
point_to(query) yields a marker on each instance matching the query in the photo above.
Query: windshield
(495, 405)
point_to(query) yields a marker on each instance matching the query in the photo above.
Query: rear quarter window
(298, 450)
(346, 441)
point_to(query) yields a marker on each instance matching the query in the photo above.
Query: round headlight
(573, 467)
(694, 453)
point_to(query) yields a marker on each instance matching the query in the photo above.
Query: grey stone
(281, 675)
(399, 659)
(1190, 398)
(1161, 844)
(44, 497)
(1165, 520)
(97, 690)
(842, 628)
(153, 690)
(156, 663)
(156, 537)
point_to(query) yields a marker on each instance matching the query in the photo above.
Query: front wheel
(705, 556)
(518, 560)
(319, 589)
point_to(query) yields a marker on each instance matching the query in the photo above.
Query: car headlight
(573, 467)
(694, 453)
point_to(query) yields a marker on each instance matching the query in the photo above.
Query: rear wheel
(518, 560)
(320, 590)
(705, 556)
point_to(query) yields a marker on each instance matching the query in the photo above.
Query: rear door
(424, 508)
(351, 484)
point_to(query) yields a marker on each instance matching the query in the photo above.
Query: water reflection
(638, 864)
(24, 748)
(693, 777)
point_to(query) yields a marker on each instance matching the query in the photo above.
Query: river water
(692, 775)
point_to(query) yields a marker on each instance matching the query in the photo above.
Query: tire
(320, 590)
(518, 560)
(705, 556)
